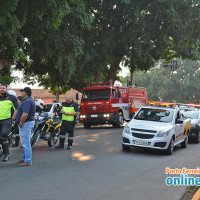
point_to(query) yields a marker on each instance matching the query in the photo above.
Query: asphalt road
(95, 168)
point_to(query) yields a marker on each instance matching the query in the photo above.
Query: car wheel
(170, 148)
(184, 143)
(125, 147)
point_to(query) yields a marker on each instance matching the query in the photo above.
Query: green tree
(74, 42)
(181, 85)
(139, 33)
(5, 75)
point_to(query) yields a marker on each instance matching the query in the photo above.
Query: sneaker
(69, 147)
(59, 146)
(5, 158)
(25, 164)
(20, 161)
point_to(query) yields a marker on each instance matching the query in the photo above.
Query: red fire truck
(103, 103)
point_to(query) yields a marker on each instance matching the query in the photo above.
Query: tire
(12, 140)
(197, 139)
(35, 137)
(54, 138)
(170, 148)
(184, 143)
(87, 125)
(120, 121)
(125, 148)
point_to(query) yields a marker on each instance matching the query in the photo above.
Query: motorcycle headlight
(127, 129)
(162, 134)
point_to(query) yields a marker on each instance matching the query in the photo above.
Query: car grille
(143, 136)
(143, 133)
(95, 108)
(143, 130)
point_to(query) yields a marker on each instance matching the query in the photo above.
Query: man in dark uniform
(7, 103)
(69, 112)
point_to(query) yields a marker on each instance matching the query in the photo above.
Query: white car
(194, 115)
(158, 128)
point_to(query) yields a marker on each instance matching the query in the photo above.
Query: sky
(19, 84)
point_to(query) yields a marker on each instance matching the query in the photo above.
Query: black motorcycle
(37, 132)
(46, 128)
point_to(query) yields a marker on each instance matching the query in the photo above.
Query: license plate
(140, 143)
(93, 115)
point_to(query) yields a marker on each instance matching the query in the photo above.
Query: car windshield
(190, 114)
(158, 115)
(47, 108)
(98, 94)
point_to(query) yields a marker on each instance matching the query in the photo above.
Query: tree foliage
(181, 85)
(5, 76)
(72, 42)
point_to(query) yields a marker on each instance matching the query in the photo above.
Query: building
(47, 97)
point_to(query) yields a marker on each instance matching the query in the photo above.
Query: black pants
(5, 126)
(67, 127)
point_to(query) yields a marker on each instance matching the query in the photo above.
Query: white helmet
(39, 103)
(12, 92)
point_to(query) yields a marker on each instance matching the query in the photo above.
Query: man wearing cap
(7, 103)
(25, 120)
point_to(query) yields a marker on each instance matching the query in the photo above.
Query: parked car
(193, 114)
(156, 127)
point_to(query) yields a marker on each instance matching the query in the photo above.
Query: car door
(179, 127)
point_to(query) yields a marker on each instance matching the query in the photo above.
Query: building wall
(47, 97)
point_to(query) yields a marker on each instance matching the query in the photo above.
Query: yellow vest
(67, 117)
(5, 109)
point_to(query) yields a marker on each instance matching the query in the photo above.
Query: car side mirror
(179, 121)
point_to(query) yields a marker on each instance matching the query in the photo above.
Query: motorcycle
(39, 123)
(46, 128)
(12, 135)
(54, 126)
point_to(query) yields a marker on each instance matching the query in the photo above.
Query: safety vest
(69, 118)
(132, 108)
(5, 109)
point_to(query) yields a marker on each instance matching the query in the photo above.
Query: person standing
(132, 109)
(7, 103)
(69, 112)
(25, 120)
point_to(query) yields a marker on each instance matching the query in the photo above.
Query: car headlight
(162, 134)
(127, 129)
(83, 116)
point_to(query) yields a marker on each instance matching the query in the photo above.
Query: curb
(197, 195)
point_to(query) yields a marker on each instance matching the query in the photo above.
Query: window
(158, 115)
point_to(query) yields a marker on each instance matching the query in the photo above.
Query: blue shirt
(27, 106)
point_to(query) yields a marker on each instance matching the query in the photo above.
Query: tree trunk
(57, 96)
(114, 69)
(4, 63)
(133, 79)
